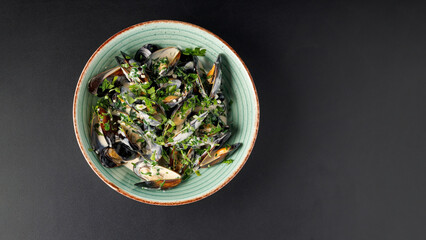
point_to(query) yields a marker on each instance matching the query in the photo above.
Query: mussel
(150, 112)
(155, 176)
(107, 124)
(109, 158)
(164, 60)
(188, 130)
(98, 139)
(200, 76)
(131, 69)
(214, 77)
(218, 156)
(112, 75)
(144, 52)
(174, 100)
(152, 150)
(179, 161)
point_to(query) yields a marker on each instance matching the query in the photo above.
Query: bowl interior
(237, 86)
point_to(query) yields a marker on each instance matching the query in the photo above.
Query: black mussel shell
(119, 80)
(143, 53)
(106, 160)
(124, 151)
(159, 184)
(185, 59)
(95, 83)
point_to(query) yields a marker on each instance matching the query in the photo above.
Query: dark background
(340, 152)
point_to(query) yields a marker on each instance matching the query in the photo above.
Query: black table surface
(341, 147)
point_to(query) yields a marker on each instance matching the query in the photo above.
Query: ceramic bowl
(237, 85)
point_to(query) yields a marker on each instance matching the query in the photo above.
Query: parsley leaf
(194, 52)
(228, 161)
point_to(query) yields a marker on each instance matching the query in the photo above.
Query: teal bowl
(237, 85)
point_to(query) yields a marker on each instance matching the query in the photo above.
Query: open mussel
(201, 74)
(164, 60)
(152, 150)
(208, 83)
(155, 176)
(178, 97)
(134, 134)
(109, 158)
(98, 140)
(178, 117)
(218, 155)
(113, 75)
(172, 82)
(179, 160)
(118, 153)
(214, 77)
(109, 141)
(124, 150)
(131, 69)
(188, 130)
(107, 124)
(150, 112)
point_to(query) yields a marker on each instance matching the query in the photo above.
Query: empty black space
(341, 147)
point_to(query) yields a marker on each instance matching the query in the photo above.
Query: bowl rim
(112, 185)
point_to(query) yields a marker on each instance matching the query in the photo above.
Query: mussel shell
(200, 77)
(222, 138)
(171, 53)
(154, 119)
(124, 151)
(218, 156)
(184, 59)
(172, 82)
(155, 176)
(134, 134)
(113, 125)
(160, 184)
(96, 81)
(188, 130)
(144, 52)
(216, 79)
(98, 141)
(108, 158)
(189, 67)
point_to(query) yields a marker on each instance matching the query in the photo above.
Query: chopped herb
(106, 126)
(151, 90)
(194, 52)
(228, 161)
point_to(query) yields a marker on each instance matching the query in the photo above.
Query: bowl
(237, 85)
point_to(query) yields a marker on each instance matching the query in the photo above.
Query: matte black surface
(341, 147)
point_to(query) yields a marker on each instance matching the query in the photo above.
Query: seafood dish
(162, 114)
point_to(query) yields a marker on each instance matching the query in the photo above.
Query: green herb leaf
(228, 161)
(106, 126)
(151, 91)
(194, 52)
